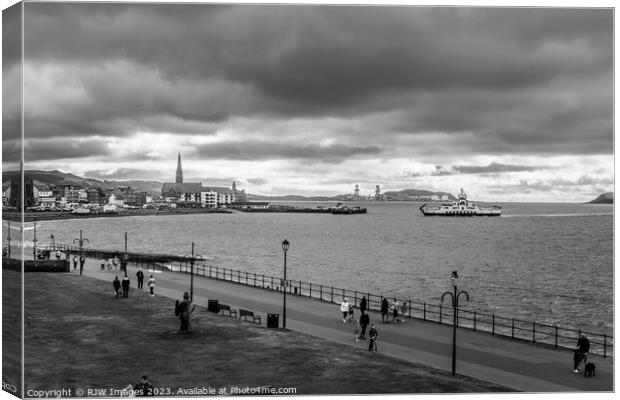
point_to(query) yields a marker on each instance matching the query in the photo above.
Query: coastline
(50, 216)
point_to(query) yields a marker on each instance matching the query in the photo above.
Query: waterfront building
(356, 193)
(6, 192)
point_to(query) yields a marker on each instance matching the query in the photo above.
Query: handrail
(536, 332)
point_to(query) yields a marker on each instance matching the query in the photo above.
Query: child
(351, 312)
(152, 285)
(357, 330)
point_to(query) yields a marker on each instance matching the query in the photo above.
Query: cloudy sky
(509, 103)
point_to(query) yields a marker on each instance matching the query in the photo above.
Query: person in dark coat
(364, 322)
(117, 286)
(581, 352)
(384, 309)
(82, 261)
(372, 334)
(125, 285)
(363, 304)
(144, 387)
(140, 276)
(75, 261)
(184, 310)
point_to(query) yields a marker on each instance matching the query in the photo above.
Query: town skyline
(510, 104)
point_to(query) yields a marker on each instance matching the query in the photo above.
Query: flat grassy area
(81, 337)
(11, 331)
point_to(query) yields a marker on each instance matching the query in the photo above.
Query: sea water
(549, 263)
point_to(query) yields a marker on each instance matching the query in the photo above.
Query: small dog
(590, 370)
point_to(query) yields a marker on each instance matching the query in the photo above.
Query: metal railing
(535, 332)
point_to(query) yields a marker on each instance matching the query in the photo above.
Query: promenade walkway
(519, 365)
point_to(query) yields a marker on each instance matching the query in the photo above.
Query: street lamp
(193, 257)
(285, 247)
(8, 240)
(34, 240)
(81, 243)
(455, 305)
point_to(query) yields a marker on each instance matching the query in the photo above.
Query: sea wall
(15, 264)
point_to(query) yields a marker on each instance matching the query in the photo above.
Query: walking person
(395, 308)
(363, 305)
(140, 275)
(75, 261)
(82, 261)
(117, 286)
(103, 265)
(151, 286)
(384, 309)
(357, 330)
(364, 322)
(344, 308)
(351, 310)
(372, 334)
(581, 352)
(125, 284)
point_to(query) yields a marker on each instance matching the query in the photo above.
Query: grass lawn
(81, 337)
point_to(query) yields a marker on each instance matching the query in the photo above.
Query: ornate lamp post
(285, 247)
(34, 240)
(193, 257)
(455, 306)
(81, 244)
(8, 240)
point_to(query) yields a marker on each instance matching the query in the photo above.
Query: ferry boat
(460, 208)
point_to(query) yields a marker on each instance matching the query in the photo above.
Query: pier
(513, 355)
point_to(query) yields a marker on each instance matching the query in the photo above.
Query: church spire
(179, 176)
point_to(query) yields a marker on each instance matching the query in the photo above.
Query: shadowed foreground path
(514, 364)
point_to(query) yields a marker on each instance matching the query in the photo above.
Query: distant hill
(605, 198)
(411, 194)
(61, 178)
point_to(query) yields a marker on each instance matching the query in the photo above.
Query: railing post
(343, 295)
(409, 308)
(332, 294)
(246, 278)
(354, 298)
(493, 324)
(263, 282)
(321, 291)
(440, 312)
(605, 346)
(556, 336)
(512, 335)
(533, 332)
(300, 288)
(424, 318)
(310, 290)
(368, 302)
(272, 281)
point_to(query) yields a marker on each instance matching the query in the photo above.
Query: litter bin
(272, 320)
(213, 306)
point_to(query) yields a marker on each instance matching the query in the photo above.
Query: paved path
(514, 364)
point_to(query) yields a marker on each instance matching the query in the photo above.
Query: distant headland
(605, 198)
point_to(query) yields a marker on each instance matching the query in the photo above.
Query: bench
(231, 313)
(246, 313)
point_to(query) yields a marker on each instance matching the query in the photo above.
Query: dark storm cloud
(514, 79)
(256, 150)
(42, 149)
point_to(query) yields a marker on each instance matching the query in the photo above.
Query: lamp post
(8, 240)
(455, 306)
(81, 241)
(34, 240)
(285, 247)
(193, 257)
(124, 261)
